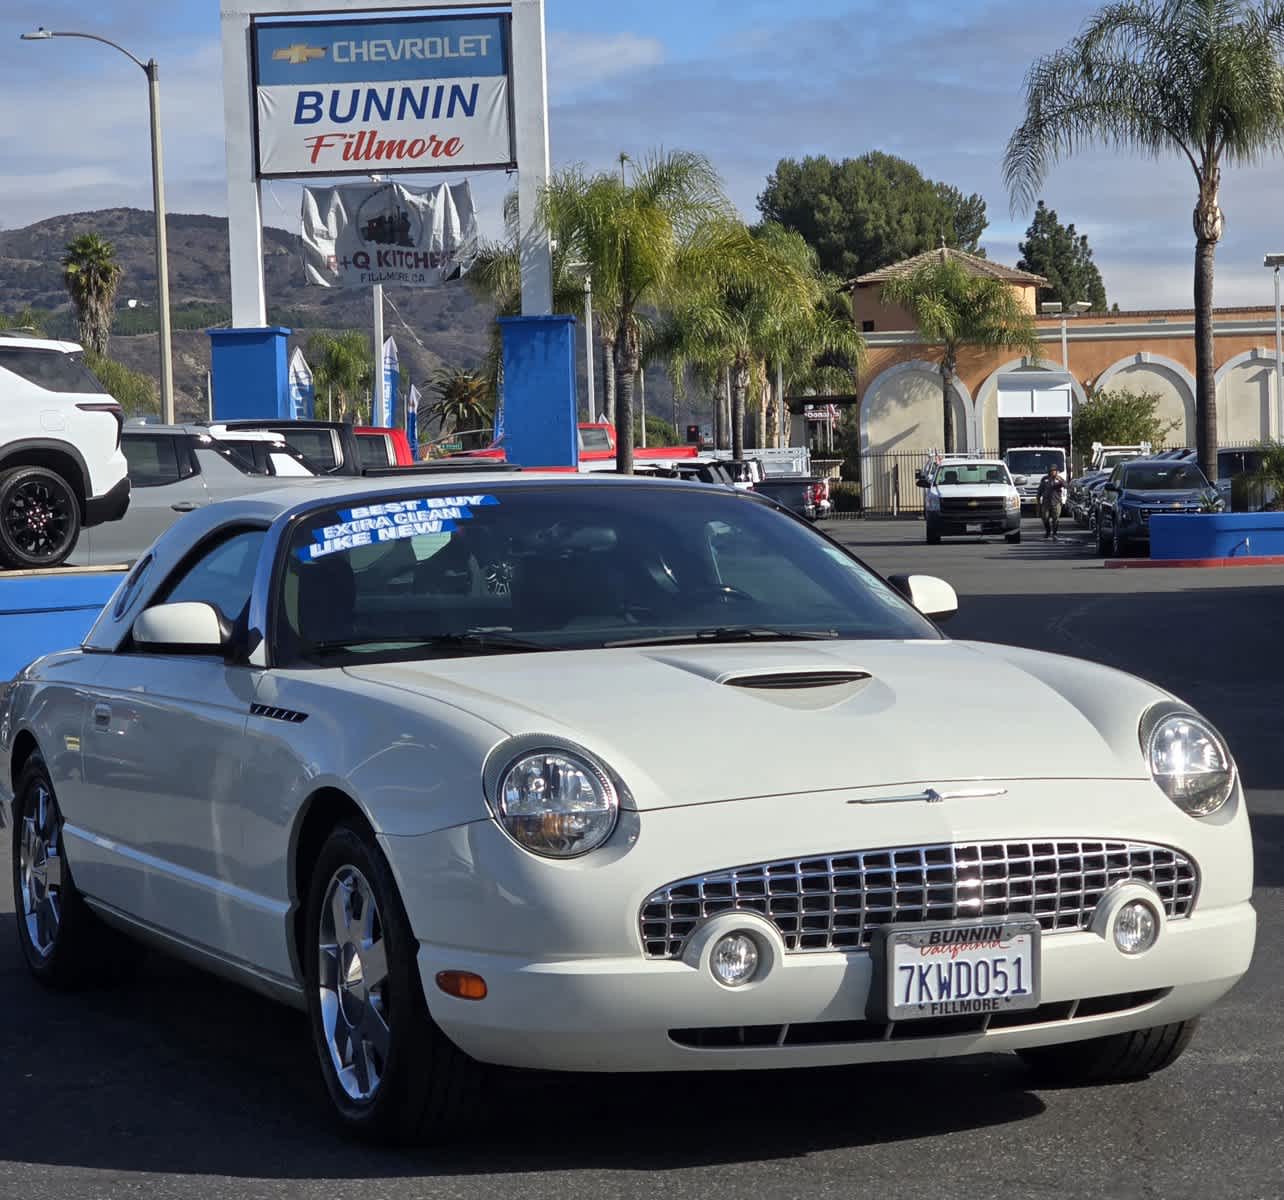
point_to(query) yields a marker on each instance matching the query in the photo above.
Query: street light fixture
(152, 72)
(1275, 261)
(1054, 308)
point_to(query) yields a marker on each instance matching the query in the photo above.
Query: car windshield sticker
(369, 524)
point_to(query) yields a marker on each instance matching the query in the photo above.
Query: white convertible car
(612, 775)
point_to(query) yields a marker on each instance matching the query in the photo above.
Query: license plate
(960, 970)
(974, 527)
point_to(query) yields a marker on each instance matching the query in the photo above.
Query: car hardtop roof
(25, 342)
(278, 423)
(1015, 449)
(972, 460)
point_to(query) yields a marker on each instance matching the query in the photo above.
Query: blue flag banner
(391, 379)
(412, 421)
(302, 391)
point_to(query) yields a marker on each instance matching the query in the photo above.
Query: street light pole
(588, 347)
(150, 69)
(1275, 261)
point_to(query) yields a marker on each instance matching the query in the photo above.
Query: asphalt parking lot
(181, 1086)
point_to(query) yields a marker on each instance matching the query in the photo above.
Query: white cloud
(577, 61)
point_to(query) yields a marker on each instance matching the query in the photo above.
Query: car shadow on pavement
(179, 1073)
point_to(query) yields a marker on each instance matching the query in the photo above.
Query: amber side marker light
(463, 984)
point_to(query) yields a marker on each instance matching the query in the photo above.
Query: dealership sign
(378, 95)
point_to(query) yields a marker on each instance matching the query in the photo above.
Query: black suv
(1139, 489)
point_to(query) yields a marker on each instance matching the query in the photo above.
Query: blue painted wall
(250, 373)
(51, 611)
(1216, 535)
(539, 413)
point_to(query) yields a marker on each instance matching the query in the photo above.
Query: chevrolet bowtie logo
(299, 53)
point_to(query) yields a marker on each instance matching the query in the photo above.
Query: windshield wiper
(474, 639)
(729, 633)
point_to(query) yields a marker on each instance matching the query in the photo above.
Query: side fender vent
(278, 714)
(791, 681)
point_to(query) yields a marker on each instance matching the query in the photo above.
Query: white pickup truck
(970, 497)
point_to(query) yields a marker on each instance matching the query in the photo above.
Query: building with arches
(899, 390)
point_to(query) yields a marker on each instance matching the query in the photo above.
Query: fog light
(1136, 927)
(734, 960)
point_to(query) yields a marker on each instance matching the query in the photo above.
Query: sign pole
(376, 407)
(530, 102)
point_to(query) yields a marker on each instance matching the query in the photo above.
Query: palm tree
(464, 402)
(91, 275)
(342, 368)
(955, 308)
(644, 241)
(496, 276)
(770, 306)
(1198, 78)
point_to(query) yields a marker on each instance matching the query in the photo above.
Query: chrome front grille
(836, 901)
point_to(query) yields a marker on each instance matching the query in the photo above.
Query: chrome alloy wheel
(40, 872)
(352, 978)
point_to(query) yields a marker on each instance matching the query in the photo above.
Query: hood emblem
(932, 796)
(972, 503)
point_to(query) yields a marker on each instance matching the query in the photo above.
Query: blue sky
(747, 82)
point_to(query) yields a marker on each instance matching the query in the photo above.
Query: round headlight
(1189, 760)
(556, 803)
(734, 960)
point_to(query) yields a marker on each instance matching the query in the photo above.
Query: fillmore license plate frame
(1013, 944)
(973, 527)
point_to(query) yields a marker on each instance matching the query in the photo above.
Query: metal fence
(887, 482)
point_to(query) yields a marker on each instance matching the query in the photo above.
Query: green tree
(954, 308)
(1120, 418)
(1063, 257)
(496, 276)
(869, 212)
(135, 391)
(31, 321)
(1197, 78)
(463, 404)
(342, 370)
(91, 275)
(645, 240)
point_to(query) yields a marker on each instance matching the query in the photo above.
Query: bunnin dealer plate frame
(330, 18)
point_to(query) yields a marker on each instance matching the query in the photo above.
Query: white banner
(374, 96)
(362, 234)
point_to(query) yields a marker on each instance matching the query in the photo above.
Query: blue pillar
(250, 373)
(539, 421)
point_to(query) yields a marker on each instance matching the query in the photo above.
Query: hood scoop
(793, 681)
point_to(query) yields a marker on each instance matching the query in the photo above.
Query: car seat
(994, 476)
(949, 477)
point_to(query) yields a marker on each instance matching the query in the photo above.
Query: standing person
(1051, 497)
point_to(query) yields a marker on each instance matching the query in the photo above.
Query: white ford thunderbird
(612, 775)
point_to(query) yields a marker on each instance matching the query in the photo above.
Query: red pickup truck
(597, 444)
(383, 447)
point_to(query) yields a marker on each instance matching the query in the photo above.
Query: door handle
(185, 506)
(102, 716)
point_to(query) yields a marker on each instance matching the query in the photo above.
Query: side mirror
(188, 628)
(932, 597)
(1110, 487)
(921, 482)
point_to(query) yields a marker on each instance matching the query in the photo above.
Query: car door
(165, 482)
(162, 757)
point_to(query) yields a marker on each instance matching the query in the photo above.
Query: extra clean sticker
(371, 524)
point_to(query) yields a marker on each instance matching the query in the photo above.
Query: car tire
(417, 1087)
(933, 535)
(66, 947)
(39, 518)
(1117, 544)
(1103, 542)
(1013, 539)
(1114, 1059)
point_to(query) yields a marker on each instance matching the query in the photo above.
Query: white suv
(61, 466)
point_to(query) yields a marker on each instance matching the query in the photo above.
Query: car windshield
(987, 472)
(594, 438)
(1156, 478)
(1035, 462)
(546, 567)
(316, 445)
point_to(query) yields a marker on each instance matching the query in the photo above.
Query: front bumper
(569, 986)
(110, 506)
(956, 524)
(629, 1015)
